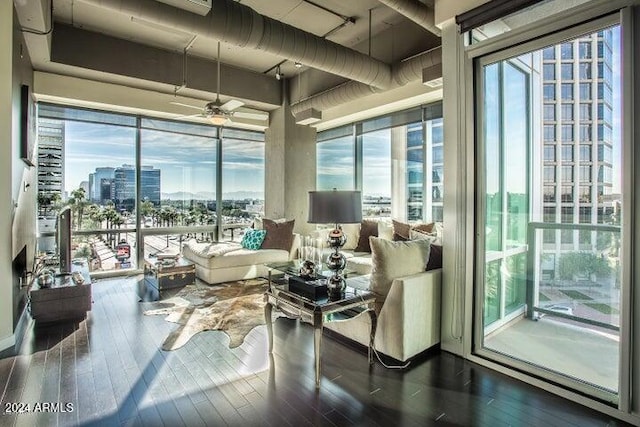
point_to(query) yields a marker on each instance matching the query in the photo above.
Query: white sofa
(228, 261)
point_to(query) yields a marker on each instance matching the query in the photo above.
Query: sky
(187, 162)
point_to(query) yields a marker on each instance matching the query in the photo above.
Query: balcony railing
(577, 280)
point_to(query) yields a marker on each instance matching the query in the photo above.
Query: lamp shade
(336, 207)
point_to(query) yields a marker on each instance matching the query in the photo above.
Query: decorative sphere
(307, 269)
(336, 238)
(336, 261)
(335, 285)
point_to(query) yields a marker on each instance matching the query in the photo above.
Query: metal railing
(533, 283)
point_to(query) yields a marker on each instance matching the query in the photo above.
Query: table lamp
(335, 207)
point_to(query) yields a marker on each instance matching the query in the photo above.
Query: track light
(298, 64)
(279, 74)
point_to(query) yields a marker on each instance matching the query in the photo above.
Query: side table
(165, 274)
(64, 299)
(316, 312)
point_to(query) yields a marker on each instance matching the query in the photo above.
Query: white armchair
(408, 321)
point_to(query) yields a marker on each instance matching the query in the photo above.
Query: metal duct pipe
(337, 95)
(415, 11)
(411, 69)
(235, 23)
(406, 71)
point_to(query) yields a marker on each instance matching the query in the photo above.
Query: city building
(577, 123)
(51, 158)
(102, 179)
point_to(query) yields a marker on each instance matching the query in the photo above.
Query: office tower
(577, 138)
(50, 157)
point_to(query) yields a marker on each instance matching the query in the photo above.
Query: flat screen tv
(63, 239)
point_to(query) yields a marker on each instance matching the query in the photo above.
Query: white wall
(6, 137)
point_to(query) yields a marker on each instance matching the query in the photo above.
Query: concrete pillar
(290, 173)
(399, 173)
(6, 144)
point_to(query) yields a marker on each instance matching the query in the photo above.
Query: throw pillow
(252, 239)
(425, 228)
(391, 260)
(385, 229)
(419, 235)
(401, 230)
(352, 231)
(367, 229)
(279, 234)
(435, 258)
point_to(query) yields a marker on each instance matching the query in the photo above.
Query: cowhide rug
(235, 308)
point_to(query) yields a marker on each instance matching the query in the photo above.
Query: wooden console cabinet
(64, 300)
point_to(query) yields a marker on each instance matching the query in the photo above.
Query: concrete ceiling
(106, 46)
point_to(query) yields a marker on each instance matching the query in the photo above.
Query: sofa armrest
(295, 246)
(409, 320)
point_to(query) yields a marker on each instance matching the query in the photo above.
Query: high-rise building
(577, 153)
(99, 194)
(50, 157)
(150, 184)
(125, 186)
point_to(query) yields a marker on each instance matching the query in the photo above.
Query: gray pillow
(391, 260)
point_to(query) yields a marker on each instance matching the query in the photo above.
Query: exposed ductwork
(406, 71)
(235, 23)
(415, 11)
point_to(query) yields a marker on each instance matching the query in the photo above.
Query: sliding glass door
(549, 209)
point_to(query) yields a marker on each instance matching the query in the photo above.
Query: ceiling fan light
(218, 119)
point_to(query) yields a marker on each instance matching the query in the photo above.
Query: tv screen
(63, 239)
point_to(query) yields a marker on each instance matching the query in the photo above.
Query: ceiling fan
(218, 113)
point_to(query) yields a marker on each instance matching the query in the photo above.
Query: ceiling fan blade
(186, 105)
(231, 105)
(251, 116)
(190, 115)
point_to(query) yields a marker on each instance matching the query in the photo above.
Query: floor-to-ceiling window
(242, 180)
(550, 180)
(184, 181)
(396, 161)
(335, 159)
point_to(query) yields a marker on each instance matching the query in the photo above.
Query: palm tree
(117, 221)
(78, 202)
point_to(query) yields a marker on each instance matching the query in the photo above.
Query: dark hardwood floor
(111, 369)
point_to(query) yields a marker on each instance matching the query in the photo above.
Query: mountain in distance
(208, 195)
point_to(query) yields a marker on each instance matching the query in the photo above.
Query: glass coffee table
(316, 311)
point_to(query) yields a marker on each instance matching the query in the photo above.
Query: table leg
(267, 319)
(372, 337)
(317, 340)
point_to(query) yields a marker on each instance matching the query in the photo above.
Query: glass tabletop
(356, 290)
(292, 268)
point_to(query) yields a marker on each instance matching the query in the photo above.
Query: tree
(574, 264)
(78, 202)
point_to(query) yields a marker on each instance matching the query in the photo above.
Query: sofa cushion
(392, 260)
(352, 231)
(279, 234)
(401, 231)
(253, 239)
(360, 264)
(210, 249)
(236, 258)
(385, 229)
(257, 222)
(368, 228)
(435, 257)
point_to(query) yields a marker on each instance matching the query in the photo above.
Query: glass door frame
(502, 48)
